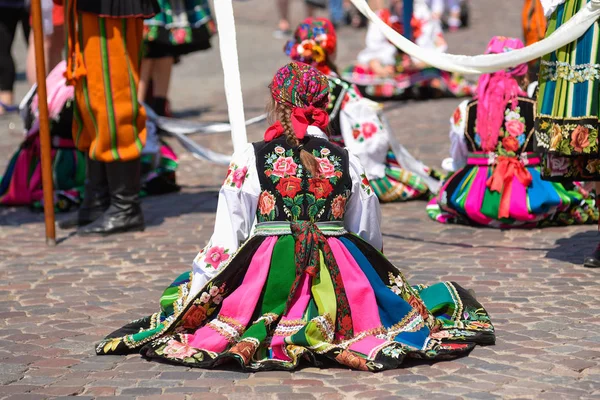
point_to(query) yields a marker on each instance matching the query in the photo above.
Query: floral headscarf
(306, 91)
(300, 85)
(314, 41)
(495, 91)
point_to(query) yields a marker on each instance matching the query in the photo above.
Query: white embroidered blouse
(236, 213)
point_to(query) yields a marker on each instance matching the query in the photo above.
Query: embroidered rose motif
(238, 176)
(266, 203)
(580, 138)
(556, 137)
(194, 317)
(457, 116)
(326, 167)
(510, 143)
(514, 127)
(279, 150)
(369, 129)
(418, 305)
(338, 207)
(179, 35)
(350, 359)
(289, 187)
(175, 349)
(355, 133)
(558, 165)
(593, 166)
(365, 180)
(204, 298)
(284, 166)
(325, 152)
(218, 299)
(321, 188)
(215, 256)
(440, 335)
(214, 290)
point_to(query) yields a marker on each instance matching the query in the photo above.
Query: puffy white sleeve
(363, 215)
(364, 133)
(458, 144)
(236, 210)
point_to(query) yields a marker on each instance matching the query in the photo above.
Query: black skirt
(119, 8)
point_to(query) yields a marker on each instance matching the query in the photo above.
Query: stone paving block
(185, 389)
(140, 391)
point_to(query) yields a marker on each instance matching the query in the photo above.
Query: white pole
(231, 72)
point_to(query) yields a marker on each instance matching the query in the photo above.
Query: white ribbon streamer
(231, 72)
(483, 64)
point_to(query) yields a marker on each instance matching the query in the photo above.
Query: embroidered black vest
(290, 193)
(515, 136)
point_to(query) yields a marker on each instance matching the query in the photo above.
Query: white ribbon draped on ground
(481, 64)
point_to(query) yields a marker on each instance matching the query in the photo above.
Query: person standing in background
(180, 28)
(104, 39)
(11, 12)
(568, 119)
(54, 40)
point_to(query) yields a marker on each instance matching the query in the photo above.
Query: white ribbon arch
(482, 64)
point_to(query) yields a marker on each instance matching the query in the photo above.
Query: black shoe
(593, 260)
(95, 196)
(125, 212)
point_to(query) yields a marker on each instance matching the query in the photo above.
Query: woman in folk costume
(21, 184)
(356, 122)
(383, 73)
(568, 105)
(182, 27)
(497, 182)
(104, 39)
(308, 280)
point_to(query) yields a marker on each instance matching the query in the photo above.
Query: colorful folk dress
(21, 184)
(394, 174)
(568, 101)
(504, 189)
(305, 282)
(181, 27)
(410, 79)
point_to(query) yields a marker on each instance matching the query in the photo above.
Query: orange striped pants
(108, 121)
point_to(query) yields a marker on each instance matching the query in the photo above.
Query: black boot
(95, 196)
(125, 212)
(593, 260)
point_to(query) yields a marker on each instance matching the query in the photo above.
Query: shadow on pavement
(156, 209)
(574, 248)
(159, 208)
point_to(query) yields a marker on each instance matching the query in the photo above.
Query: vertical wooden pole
(40, 67)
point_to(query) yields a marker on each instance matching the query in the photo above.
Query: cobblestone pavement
(55, 303)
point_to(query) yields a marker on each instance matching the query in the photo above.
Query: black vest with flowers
(516, 133)
(290, 193)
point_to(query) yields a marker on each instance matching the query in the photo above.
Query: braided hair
(283, 113)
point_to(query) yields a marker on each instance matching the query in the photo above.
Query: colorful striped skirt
(466, 198)
(569, 103)
(408, 84)
(313, 293)
(398, 184)
(21, 184)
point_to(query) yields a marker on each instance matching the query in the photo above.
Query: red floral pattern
(321, 188)
(289, 187)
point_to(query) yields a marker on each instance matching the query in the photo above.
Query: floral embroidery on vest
(292, 192)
